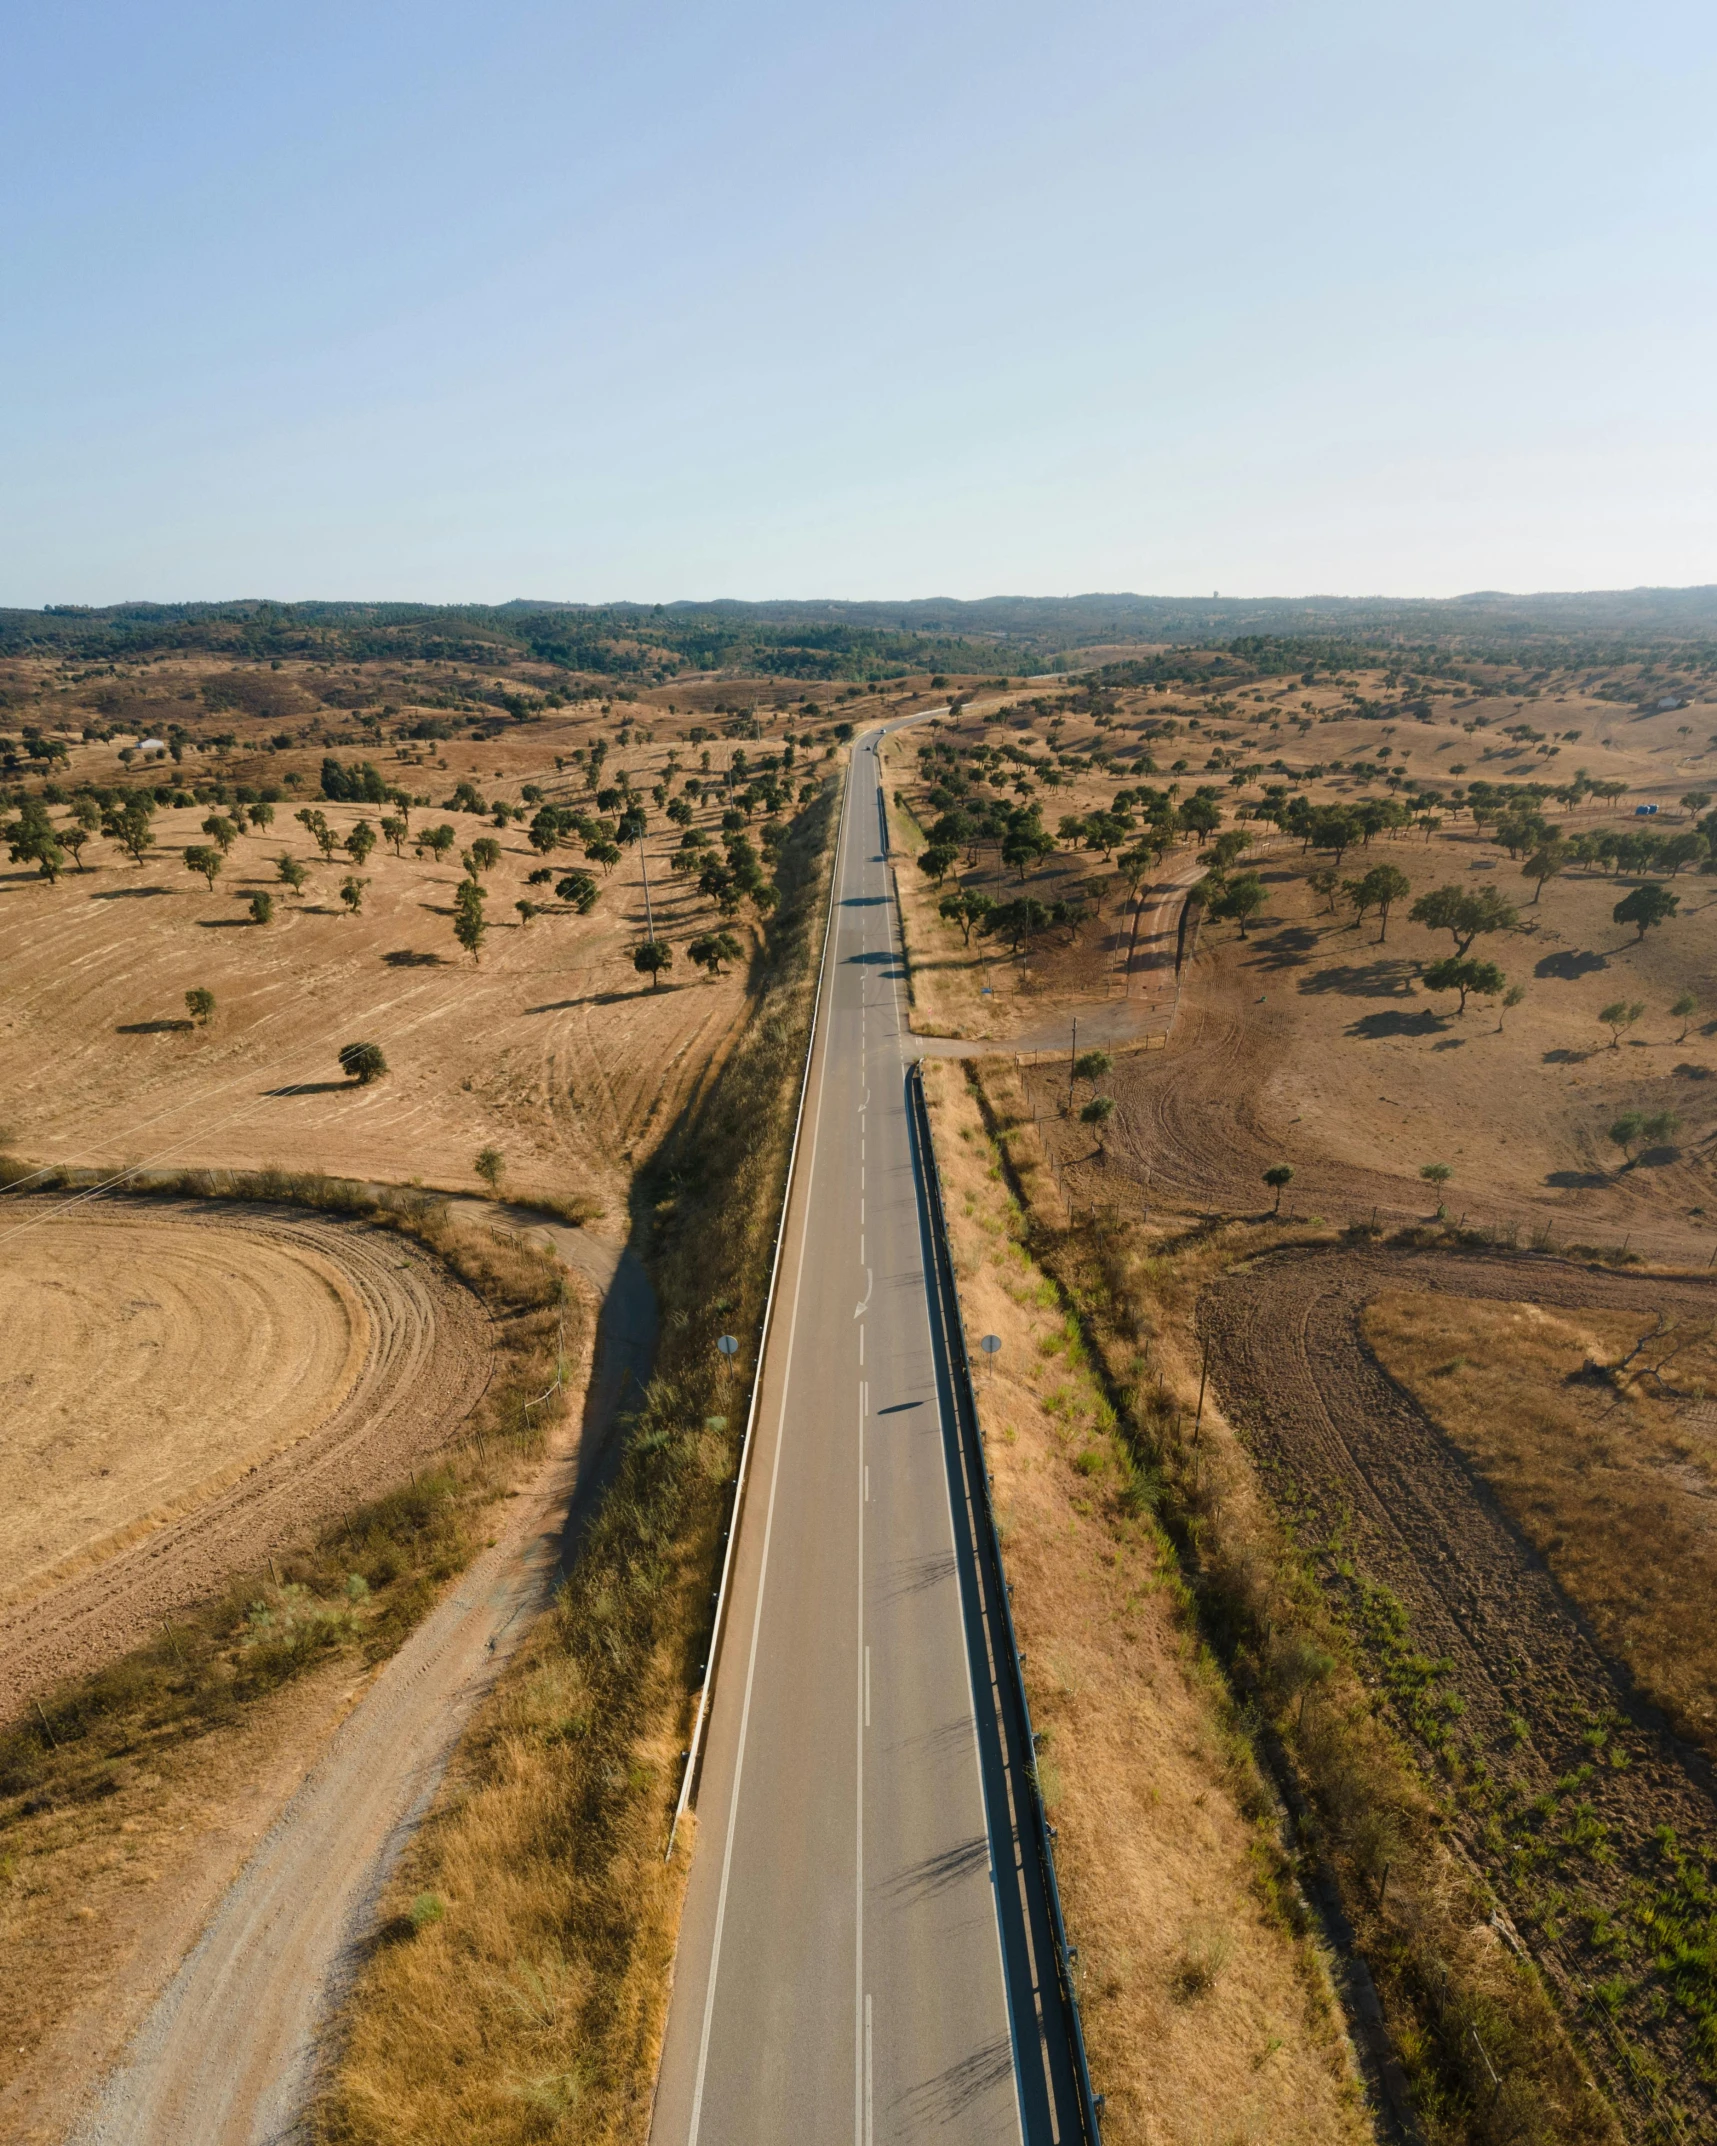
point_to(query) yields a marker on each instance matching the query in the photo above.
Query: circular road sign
(728, 1345)
(990, 1344)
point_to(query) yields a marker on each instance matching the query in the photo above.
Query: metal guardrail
(966, 1402)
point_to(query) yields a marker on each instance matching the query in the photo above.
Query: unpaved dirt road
(226, 2055)
(424, 1364)
(1359, 1462)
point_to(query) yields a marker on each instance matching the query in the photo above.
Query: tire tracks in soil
(1356, 1459)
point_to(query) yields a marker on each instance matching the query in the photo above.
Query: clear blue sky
(595, 301)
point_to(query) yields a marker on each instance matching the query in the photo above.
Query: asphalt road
(840, 1970)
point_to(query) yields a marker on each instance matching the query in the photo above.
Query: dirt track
(423, 1365)
(1370, 1478)
(225, 2057)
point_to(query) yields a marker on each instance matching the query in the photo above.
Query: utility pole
(1071, 1063)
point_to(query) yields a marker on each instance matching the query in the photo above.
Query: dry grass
(100, 1781)
(1207, 2008)
(1361, 1811)
(1616, 1488)
(520, 1988)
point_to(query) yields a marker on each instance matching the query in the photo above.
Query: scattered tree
(1278, 1177)
(1453, 974)
(1619, 1017)
(262, 908)
(485, 854)
(469, 923)
(220, 831)
(1437, 1175)
(712, 948)
(1092, 1065)
(938, 860)
(292, 873)
(1465, 914)
(651, 959)
(362, 1062)
(1383, 886)
(1240, 899)
(1544, 863)
(352, 892)
(1625, 1131)
(527, 910)
(1685, 1007)
(395, 831)
(491, 1168)
(1649, 904)
(437, 840)
(360, 842)
(200, 1005)
(1511, 998)
(966, 908)
(580, 890)
(204, 860)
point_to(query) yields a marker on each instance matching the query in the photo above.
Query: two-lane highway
(840, 1970)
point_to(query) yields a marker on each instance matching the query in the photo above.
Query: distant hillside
(832, 639)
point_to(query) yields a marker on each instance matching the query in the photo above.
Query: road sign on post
(728, 1344)
(991, 1345)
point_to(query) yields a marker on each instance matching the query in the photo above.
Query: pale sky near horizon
(591, 301)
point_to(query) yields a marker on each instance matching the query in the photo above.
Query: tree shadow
(1566, 1057)
(1577, 1180)
(127, 894)
(226, 923)
(1687, 1070)
(1450, 1043)
(1291, 948)
(1658, 1158)
(1371, 1027)
(407, 957)
(1569, 968)
(1386, 978)
(153, 1028)
(313, 1087)
(863, 901)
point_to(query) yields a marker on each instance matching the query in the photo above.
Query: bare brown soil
(422, 1346)
(139, 1334)
(551, 1048)
(1610, 1475)
(1309, 1043)
(1562, 1773)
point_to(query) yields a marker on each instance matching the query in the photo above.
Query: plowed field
(1561, 1776)
(190, 1386)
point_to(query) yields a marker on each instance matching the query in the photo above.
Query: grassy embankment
(520, 1988)
(104, 1764)
(1481, 2048)
(1206, 1997)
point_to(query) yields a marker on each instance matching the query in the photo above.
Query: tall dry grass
(1473, 2041)
(1207, 2004)
(76, 1767)
(519, 1989)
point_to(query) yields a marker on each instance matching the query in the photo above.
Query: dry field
(1615, 1484)
(1311, 1043)
(551, 1047)
(1208, 2013)
(131, 1333)
(221, 1383)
